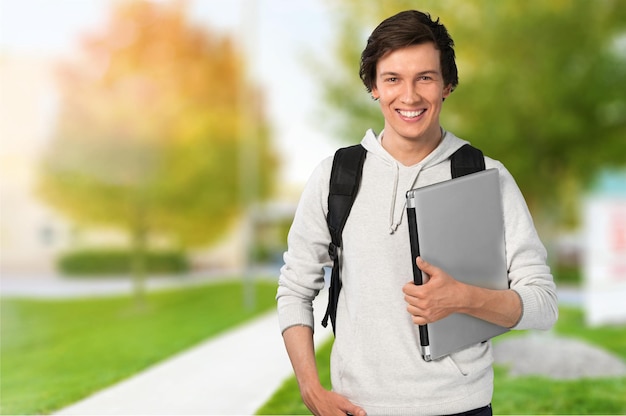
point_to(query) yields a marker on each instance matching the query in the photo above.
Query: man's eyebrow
(389, 73)
(429, 72)
(395, 74)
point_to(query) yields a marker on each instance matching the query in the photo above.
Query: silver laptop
(458, 226)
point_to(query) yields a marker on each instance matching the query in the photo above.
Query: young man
(409, 66)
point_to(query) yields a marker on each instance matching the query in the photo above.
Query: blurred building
(30, 233)
(605, 250)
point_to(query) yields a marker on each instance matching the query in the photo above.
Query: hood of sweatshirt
(372, 143)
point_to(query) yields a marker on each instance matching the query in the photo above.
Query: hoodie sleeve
(302, 275)
(529, 274)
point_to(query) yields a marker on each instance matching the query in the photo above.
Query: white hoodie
(376, 361)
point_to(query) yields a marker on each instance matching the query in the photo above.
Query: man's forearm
(301, 351)
(501, 307)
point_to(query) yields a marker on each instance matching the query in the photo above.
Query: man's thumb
(422, 264)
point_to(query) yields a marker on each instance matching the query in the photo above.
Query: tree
(538, 88)
(149, 134)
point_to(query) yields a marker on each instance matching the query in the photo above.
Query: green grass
(515, 395)
(286, 400)
(537, 395)
(55, 353)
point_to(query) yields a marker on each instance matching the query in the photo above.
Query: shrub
(119, 261)
(567, 275)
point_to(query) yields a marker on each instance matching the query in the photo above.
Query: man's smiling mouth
(411, 114)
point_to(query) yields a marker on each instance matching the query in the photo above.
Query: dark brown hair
(404, 29)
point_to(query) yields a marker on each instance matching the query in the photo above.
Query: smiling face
(410, 89)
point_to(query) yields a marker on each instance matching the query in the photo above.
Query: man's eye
(392, 79)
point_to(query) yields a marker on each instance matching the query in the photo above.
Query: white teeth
(411, 114)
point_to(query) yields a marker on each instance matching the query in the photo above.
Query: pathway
(233, 374)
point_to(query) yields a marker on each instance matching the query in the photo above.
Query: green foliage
(515, 395)
(154, 114)
(567, 275)
(55, 353)
(117, 261)
(546, 106)
(538, 88)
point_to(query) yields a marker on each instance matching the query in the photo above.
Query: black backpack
(345, 179)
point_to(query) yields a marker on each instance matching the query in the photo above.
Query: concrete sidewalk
(53, 286)
(233, 374)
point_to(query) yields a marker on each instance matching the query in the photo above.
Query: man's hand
(439, 297)
(442, 295)
(322, 402)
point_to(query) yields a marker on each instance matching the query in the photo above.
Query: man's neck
(410, 152)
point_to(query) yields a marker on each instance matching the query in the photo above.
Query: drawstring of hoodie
(393, 226)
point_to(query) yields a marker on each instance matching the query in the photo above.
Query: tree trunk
(138, 256)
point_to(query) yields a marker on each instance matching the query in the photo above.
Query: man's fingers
(354, 410)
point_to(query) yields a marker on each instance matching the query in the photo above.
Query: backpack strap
(467, 159)
(345, 179)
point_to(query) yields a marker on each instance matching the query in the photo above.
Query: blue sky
(279, 34)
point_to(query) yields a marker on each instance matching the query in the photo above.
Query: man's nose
(410, 94)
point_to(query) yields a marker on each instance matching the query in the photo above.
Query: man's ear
(447, 90)
(375, 94)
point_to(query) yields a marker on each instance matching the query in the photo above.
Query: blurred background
(148, 138)
(145, 125)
